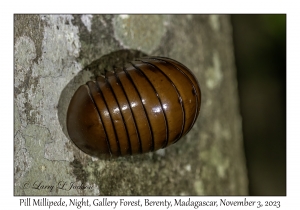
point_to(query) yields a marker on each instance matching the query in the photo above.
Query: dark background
(260, 52)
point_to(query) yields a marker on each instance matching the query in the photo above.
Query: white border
(187, 6)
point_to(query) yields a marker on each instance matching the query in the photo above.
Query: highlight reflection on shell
(147, 105)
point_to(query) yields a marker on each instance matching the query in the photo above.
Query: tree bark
(50, 53)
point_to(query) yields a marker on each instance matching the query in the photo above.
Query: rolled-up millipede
(147, 105)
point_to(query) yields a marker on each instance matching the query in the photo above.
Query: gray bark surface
(50, 54)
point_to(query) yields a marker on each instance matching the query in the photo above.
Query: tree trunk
(50, 53)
